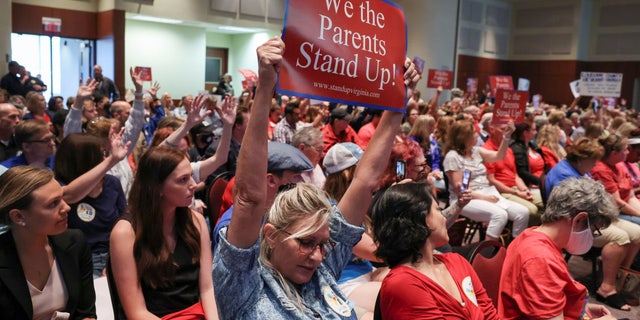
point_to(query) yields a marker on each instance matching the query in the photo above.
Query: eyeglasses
(307, 247)
(596, 232)
(45, 140)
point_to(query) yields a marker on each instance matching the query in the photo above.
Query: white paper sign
(523, 84)
(575, 88)
(600, 84)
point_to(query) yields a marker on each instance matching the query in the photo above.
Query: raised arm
(356, 200)
(489, 156)
(195, 115)
(250, 190)
(135, 122)
(228, 115)
(73, 122)
(82, 185)
(433, 103)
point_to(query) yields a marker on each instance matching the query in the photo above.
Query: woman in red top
(408, 226)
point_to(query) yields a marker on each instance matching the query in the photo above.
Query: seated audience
(46, 268)
(620, 242)
(549, 138)
(408, 227)
(535, 281)
(530, 163)
(9, 118)
(338, 129)
(276, 266)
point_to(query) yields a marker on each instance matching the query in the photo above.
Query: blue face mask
(580, 241)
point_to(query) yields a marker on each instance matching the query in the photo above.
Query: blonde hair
(101, 126)
(304, 202)
(548, 136)
(16, 186)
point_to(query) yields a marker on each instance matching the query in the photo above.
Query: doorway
(61, 63)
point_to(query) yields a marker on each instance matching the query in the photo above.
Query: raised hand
(411, 76)
(118, 150)
(86, 90)
(228, 110)
(153, 91)
(195, 114)
(135, 77)
(509, 129)
(269, 60)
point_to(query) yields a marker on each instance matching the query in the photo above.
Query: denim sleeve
(346, 237)
(236, 277)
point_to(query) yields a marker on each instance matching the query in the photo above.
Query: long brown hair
(149, 249)
(77, 154)
(458, 135)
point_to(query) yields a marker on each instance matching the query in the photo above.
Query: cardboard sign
(500, 82)
(472, 85)
(510, 105)
(419, 62)
(145, 73)
(600, 84)
(537, 98)
(575, 88)
(438, 78)
(523, 84)
(345, 51)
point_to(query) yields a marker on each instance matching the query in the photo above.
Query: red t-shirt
(549, 157)
(408, 294)
(535, 281)
(329, 137)
(365, 133)
(503, 170)
(536, 163)
(613, 179)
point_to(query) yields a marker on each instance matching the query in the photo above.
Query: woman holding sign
(284, 265)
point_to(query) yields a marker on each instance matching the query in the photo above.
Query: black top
(185, 290)
(521, 155)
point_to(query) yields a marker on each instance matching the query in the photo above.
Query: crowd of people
(328, 209)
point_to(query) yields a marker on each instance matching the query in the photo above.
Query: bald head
(120, 111)
(97, 72)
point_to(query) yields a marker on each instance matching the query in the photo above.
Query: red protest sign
(145, 73)
(472, 85)
(509, 105)
(500, 82)
(347, 51)
(438, 78)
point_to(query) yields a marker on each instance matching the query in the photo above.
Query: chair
(214, 199)
(487, 260)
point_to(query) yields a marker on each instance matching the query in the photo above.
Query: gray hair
(307, 135)
(540, 121)
(575, 195)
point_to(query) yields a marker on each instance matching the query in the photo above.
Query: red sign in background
(509, 105)
(145, 73)
(500, 82)
(438, 78)
(346, 51)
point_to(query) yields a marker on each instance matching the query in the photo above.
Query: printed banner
(500, 82)
(510, 105)
(345, 51)
(575, 88)
(523, 84)
(145, 73)
(438, 78)
(600, 84)
(472, 85)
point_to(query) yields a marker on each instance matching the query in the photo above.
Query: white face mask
(580, 241)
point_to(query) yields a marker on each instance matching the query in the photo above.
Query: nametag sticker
(86, 212)
(338, 305)
(469, 291)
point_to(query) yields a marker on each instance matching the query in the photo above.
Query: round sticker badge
(467, 288)
(86, 212)
(336, 303)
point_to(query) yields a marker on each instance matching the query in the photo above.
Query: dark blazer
(74, 258)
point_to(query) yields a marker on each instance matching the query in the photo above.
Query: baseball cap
(282, 156)
(342, 156)
(13, 64)
(340, 113)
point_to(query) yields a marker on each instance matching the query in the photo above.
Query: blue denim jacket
(245, 289)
